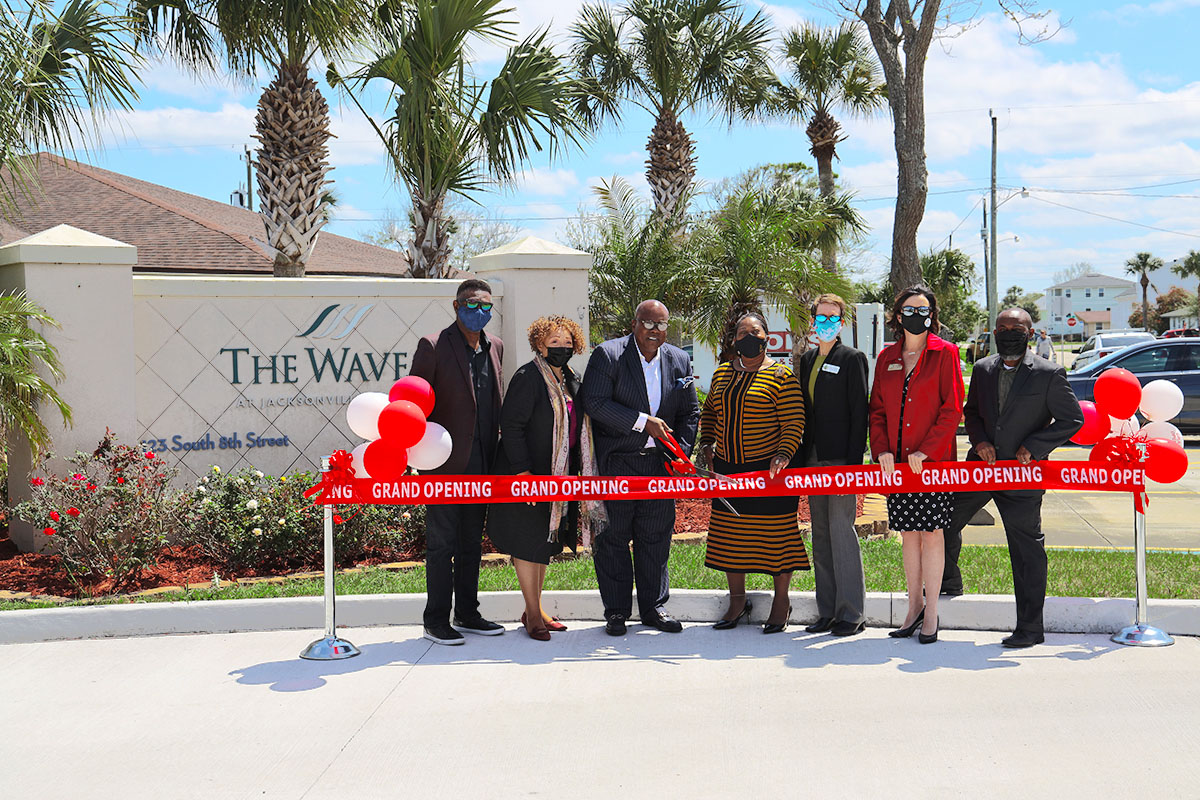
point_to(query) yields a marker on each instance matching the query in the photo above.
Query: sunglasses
(473, 304)
(828, 318)
(908, 311)
(648, 325)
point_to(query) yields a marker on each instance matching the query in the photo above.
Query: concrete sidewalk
(702, 714)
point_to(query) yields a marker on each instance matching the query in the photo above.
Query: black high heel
(904, 633)
(727, 624)
(930, 638)
(778, 627)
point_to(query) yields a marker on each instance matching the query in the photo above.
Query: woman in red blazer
(916, 405)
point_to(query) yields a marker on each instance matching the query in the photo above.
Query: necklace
(742, 365)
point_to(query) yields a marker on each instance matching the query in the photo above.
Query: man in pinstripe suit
(636, 389)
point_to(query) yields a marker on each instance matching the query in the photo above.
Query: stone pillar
(539, 278)
(85, 282)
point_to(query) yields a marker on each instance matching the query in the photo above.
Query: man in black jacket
(636, 389)
(1019, 407)
(833, 377)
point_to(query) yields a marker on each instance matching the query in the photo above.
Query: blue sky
(1101, 123)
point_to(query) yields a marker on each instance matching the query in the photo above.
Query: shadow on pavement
(299, 675)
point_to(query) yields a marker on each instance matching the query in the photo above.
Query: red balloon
(1094, 428)
(1106, 449)
(1166, 461)
(415, 390)
(384, 461)
(1118, 393)
(402, 423)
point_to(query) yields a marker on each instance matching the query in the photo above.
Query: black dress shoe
(904, 633)
(820, 626)
(847, 628)
(615, 625)
(727, 624)
(443, 634)
(778, 627)
(478, 625)
(663, 622)
(1023, 639)
(950, 592)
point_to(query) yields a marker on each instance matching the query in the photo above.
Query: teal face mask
(827, 331)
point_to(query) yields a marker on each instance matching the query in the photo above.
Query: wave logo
(330, 320)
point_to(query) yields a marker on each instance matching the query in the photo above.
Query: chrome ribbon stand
(329, 648)
(1140, 633)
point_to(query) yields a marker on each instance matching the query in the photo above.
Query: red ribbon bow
(340, 473)
(1130, 451)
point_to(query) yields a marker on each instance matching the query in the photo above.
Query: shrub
(109, 516)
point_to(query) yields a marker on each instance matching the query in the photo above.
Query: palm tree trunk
(1145, 301)
(823, 131)
(429, 251)
(292, 128)
(671, 167)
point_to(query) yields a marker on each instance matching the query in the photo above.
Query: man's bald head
(1012, 317)
(647, 307)
(655, 314)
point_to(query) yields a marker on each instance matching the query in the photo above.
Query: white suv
(1105, 342)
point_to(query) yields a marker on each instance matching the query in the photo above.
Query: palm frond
(25, 355)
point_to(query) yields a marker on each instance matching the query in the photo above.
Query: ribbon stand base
(1141, 634)
(330, 647)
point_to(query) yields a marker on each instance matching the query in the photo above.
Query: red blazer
(934, 406)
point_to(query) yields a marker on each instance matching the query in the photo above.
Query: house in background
(1102, 298)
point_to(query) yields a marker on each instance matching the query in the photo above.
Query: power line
(1116, 219)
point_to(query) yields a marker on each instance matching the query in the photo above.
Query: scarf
(591, 511)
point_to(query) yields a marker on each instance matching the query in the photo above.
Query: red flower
(73, 511)
(149, 455)
(77, 476)
(91, 487)
(54, 516)
(49, 531)
(337, 518)
(37, 482)
(120, 480)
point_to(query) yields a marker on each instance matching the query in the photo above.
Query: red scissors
(680, 464)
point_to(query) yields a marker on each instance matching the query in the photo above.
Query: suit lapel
(664, 375)
(1023, 370)
(632, 357)
(459, 345)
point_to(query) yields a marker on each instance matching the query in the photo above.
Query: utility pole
(991, 267)
(250, 178)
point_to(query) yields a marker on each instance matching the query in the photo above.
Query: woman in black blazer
(543, 431)
(833, 377)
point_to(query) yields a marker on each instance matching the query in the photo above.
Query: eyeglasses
(474, 304)
(828, 318)
(648, 325)
(908, 311)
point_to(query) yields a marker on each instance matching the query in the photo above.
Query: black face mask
(916, 324)
(559, 356)
(750, 346)
(1011, 343)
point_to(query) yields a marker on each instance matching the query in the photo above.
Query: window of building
(1058, 292)
(1087, 292)
(1101, 291)
(1068, 292)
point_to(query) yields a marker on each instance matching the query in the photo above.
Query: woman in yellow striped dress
(753, 419)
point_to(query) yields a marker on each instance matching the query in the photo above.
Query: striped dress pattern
(749, 418)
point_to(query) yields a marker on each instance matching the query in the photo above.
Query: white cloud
(165, 129)
(543, 182)
(632, 157)
(356, 143)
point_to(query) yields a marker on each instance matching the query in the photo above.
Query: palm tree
(25, 356)
(670, 57)
(61, 69)
(292, 124)
(748, 259)
(449, 133)
(831, 68)
(1190, 268)
(1143, 264)
(638, 254)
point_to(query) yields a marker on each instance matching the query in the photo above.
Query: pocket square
(683, 383)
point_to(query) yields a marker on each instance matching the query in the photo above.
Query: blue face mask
(827, 331)
(474, 319)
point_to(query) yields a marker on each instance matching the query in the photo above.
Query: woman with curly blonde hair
(543, 432)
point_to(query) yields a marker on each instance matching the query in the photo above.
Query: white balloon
(1162, 430)
(433, 450)
(1124, 427)
(360, 465)
(363, 414)
(1161, 401)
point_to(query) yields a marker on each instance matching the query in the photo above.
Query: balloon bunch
(1110, 424)
(397, 431)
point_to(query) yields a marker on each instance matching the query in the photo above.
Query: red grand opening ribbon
(949, 476)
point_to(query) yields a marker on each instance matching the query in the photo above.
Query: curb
(883, 609)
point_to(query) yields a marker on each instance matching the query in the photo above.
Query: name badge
(832, 369)
(894, 367)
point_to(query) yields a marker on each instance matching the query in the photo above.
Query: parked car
(979, 347)
(1106, 342)
(1175, 333)
(1176, 360)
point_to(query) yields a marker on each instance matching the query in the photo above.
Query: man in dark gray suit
(636, 389)
(1019, 407)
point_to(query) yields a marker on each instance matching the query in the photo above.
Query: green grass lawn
(986, 570)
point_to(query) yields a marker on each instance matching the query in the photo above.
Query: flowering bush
(108, 516)
(248, 519)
